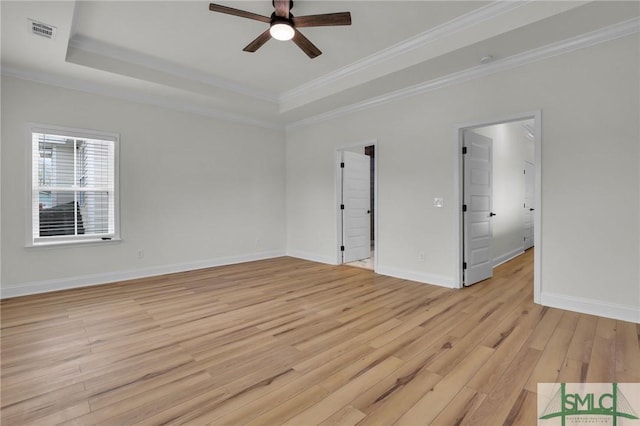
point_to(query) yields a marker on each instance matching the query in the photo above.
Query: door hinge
(464, 207)
(464, 265)
(341, 248)
(464, 149)
(341, 206)
(342, 165)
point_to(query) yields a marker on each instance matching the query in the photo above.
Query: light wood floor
(287, 341)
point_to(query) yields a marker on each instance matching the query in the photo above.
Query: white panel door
(478, 229)
(529, 203)
(356, 189)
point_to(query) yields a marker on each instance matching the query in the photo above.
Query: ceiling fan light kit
(283, 25)
(281, 30)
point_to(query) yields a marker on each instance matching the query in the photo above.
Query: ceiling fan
(283, 25)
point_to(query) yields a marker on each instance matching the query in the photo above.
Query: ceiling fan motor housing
(275, 19)
(273, 2)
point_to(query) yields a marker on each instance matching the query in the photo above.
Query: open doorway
(357, 206)
(498, 186)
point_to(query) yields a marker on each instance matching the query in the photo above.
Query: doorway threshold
(363, 263)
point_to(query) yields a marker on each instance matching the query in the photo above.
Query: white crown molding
(128, 95)
(602, 35)
(102, 49)
(37, 287)
(458, 24)
(589, 39)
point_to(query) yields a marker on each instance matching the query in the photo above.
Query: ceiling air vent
(41, 29)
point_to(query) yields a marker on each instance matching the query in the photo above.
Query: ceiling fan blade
(258, 42)
(307, 47)
(282, 8)
(237, 12)
(328, 19)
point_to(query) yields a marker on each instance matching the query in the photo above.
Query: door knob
(531, 210)
(492, 214)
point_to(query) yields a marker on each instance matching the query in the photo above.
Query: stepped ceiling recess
(180, 55)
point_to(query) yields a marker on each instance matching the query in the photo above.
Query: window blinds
(73, 188)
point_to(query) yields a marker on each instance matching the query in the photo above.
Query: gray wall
(590, 180)
(194, 191)
(197, 191)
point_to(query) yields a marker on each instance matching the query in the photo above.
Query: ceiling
(179, 54)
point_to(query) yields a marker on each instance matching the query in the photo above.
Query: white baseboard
(383, 270)
(507, 256)
(24, 289)
(592, 307)
(311, 257)
(420, 277)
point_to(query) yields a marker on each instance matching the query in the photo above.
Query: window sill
(69, 244)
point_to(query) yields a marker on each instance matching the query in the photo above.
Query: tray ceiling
(180, 54)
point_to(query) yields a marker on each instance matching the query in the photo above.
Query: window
(74, 183)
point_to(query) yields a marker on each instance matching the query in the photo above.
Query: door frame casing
(458, 192)
(338, 197)
(527, 162)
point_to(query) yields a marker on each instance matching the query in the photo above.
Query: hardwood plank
(337, 399)
(208, 407)
(524, 410)
(627, 353)
(572, 371)
(432, 403)
(461, 348)
(32, 409)
(602, 365)
(321, 357)
(500, 401)
(606, 328)
(397, 399)
(550, 363)
(145, 404)
(461, 407)
(101, 399)
(545, 328)
(290, 341)
(489, 374)
(291, 407)
(60, 416)
(345, 417)
(262, 409)
(569, 320)
(582, 341)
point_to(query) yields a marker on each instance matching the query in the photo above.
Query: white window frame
(73, 239)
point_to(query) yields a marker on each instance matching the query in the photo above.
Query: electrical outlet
(140, 253)
(438, 202)
(421, 257)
